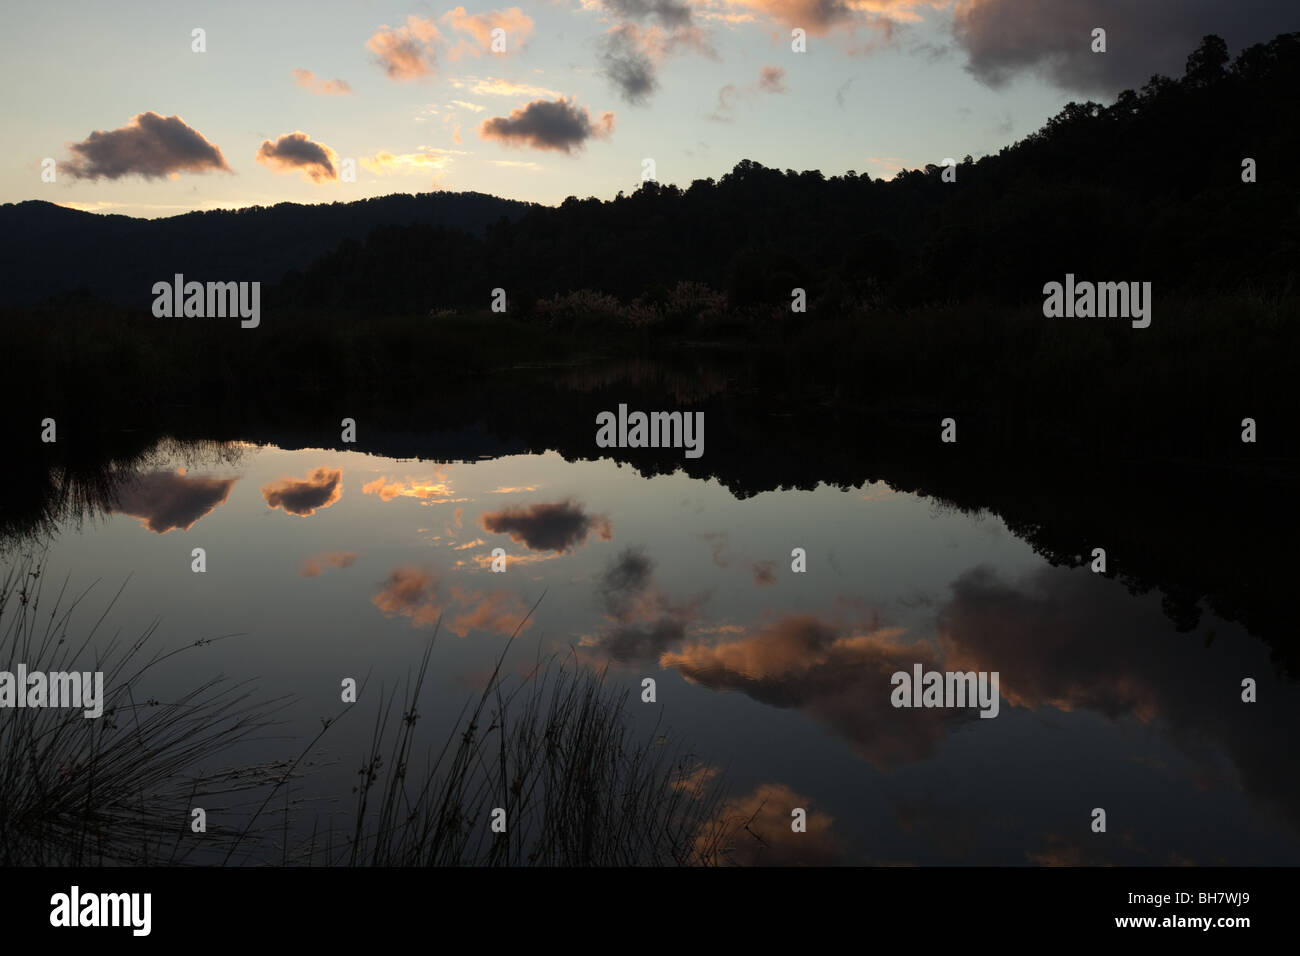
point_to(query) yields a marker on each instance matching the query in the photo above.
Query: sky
(334, 101)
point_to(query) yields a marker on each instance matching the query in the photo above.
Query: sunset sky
(139, 124)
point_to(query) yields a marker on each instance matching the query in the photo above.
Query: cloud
(1070, 640)
(834, 674)
(630, 55)
(518, 26)
(295, 152)
(416, 593)
(561, 125)
(410, 592)
(627, 64)
(641, 621)
(149, 145)
(406, 53)
(771, 79)
(432, 491)
(314, 564)
(764, 574)
(427, 161)
(307, 80)
(494, 86)
(302, 497)
(670, 13)
(165, 500)
(1053, 38)
(755, 831)
(557, 526)
(498, 613)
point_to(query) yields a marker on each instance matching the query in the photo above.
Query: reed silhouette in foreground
(557, 752)
(116, 789)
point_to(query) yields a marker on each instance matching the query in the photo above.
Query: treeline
(1149, 188)
(51, 251)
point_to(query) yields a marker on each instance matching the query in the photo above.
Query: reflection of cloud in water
(836, 676)
(166, 500)
(642, 621)
(416, 593)
(316, 563)
(433, 491)
(547, 526)
(1072, 640)
(303, 496)
(758, 830)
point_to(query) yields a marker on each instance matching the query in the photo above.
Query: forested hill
(1148, 188)
(48, 250)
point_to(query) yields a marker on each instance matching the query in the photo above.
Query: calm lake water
(333, 564)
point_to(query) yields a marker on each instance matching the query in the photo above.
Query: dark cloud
(642, 621)
(1053, 38)
(295, 152)
(764, 574)
(302, 497)
(627, 64)
(670, 13)
(150, 145)
(554, 526)
(164, 500)
(560, 125)
(624, 580)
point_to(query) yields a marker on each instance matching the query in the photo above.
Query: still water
(323, 565)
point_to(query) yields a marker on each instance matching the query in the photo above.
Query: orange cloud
(303, 497)
(436, 490)
(517, 25)
(406, 53)
(307, 80)
(313, 565)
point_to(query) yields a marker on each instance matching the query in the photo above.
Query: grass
(555, 750)
(77, 791)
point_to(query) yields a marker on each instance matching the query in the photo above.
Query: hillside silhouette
(1148, 188)
(48, 250)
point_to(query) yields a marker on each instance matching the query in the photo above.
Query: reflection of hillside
(1212, 532)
